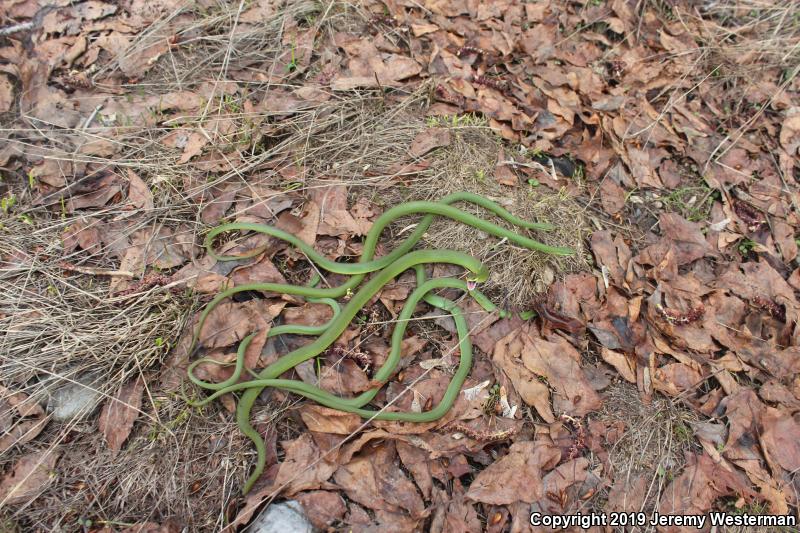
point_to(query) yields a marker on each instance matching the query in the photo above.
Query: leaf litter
(641, 133)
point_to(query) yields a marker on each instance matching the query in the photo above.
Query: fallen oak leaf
(322, 507)
(374, 479)
(6, 94)
(303, 467)
(700, 484)
(28, 478)
(532, 391)
(515, 477)
(503, 174)
(335, 219)
(325, 420)
(429, 139)
(120, 412)
(30, 422)
(139, 194)
(780, 440)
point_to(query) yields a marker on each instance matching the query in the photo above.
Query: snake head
(477, 277)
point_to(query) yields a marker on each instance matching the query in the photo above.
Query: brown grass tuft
(517, 275)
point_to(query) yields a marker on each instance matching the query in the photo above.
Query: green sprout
(746, 246)
(292, 65)
(8, 202)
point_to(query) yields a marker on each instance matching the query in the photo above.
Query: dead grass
(654, 442)
(181, 463)
(517, 275)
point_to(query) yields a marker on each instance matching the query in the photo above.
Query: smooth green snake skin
(385, 269)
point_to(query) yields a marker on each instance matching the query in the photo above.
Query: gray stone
(285, 517)
(72, 400)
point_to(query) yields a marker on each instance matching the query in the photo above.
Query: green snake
(385, 269)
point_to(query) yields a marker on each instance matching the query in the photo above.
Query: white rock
(282, 518)
(72, 400)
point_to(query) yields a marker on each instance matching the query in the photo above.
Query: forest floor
(660, 374)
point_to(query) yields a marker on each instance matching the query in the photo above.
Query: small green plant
(466, 120)
(230, 104)
(8, 202)
(692, 202)
(31, 179)
(480, 175)
(745, 246)
(492, 400)
(579, 173)
(292, 65)
(683, 433)
(751, 508)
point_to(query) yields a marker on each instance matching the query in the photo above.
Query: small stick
(16, 28)
(91, 117)
(95, 271)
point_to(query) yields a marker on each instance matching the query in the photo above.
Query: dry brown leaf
(503, 173)
(6, 94)
(342, 377)
(781, 439)
(429, 139)
(627, 494)
(83, 234)
(21, 418)
(790, 132)
(138, 192)
(310, 314)
(700, 484)
(335, 219)
(303, 467)
(515, 477)
(322, 507)
(563, 485)
(621, 363)
(304, 227)
(31, 474)
(415, 460)
(532, 391)
(120, 412)
(612, 196)
(191, 142)
(557, 361)
(326, 420)
(220, 198)
(676, 378)
(375, 480)
(261, 271)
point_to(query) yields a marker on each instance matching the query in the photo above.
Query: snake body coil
(386, 269)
